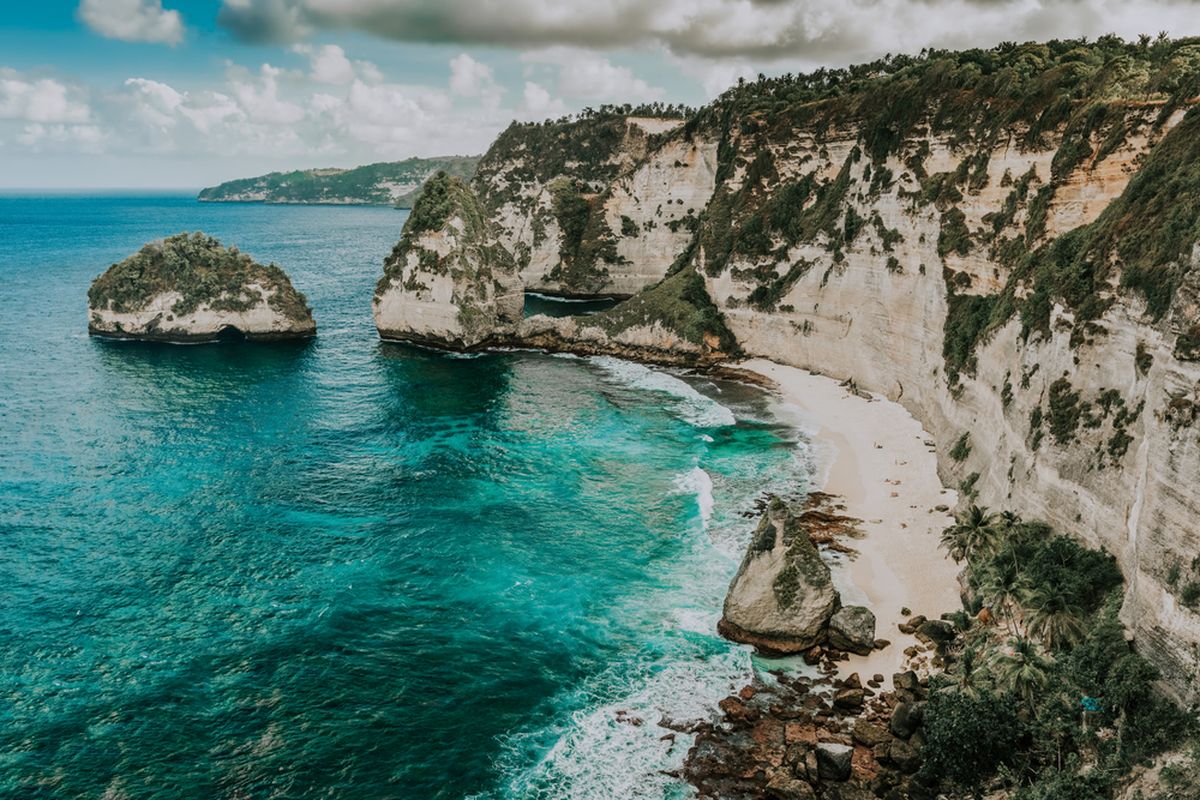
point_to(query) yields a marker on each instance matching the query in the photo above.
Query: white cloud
(133, 20)
(715, 75)
(537, 103)
(591, 77)
(80, 138)
(469, 77)
(329, 63)
(259, 96)
(209, 110)
(39, 100)
(156, 103)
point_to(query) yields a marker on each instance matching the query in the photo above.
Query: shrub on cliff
(1085, 696)
(968, 737)
(680, 304)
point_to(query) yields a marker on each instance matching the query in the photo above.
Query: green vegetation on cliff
(678, 303)
(1049, 700)
(1084, 100)
(386, 183)
(202, 271)
(971, 95)
(446, 198)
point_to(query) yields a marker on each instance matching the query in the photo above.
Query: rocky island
(190, 288)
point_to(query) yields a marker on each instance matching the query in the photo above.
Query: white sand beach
(876, 458)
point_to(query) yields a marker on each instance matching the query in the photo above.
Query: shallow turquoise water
(347, 569)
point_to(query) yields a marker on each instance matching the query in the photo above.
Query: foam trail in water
(698, 482)
(617, 749)
(695, 408)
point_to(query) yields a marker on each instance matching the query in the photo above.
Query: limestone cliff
(190, 288)
(1001, 240)
(596, 206)
(448, 281)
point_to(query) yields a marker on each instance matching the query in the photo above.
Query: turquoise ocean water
(348, 569)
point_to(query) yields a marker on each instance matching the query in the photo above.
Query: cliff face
(448, 282)
(1002, 241)
(598, 206)
(189, 288)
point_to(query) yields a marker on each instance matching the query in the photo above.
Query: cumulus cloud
(469, 77)
(133, 20)
(592, 77)
(329, 63)
(812, 30)
(336, 110)
(40, 100)
(538, 103)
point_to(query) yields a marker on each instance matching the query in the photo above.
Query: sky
(189, 93)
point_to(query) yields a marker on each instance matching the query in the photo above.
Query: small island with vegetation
(388, 183)
(191, 288)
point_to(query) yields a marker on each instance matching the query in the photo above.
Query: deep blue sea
(348, 569)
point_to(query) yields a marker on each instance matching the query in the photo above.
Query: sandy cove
(874, 455)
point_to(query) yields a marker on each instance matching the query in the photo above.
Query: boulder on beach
(852, 629)
(191, 288)
(449, 282)
(783, 594)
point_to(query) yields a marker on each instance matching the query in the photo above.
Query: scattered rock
(852, 628)
(906, 718)
(849, 699)
(904, 755)
(834, 761)
(786, 787)
(870, 733)
(936, 631)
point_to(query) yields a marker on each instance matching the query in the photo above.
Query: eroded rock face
(599, 205)
(673, 321)
(190, 288)
(448, 282)
(783, 594)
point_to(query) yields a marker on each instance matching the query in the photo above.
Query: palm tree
(970, 674)
(1002, 586)
(1007, 520)
(1053, 617)
(971, 534)
(1021, 669)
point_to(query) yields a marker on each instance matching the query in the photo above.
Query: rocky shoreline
(795, 737)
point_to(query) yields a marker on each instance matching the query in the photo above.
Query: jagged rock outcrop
(448, 282)
(1000, 240)
(783, 595)
(190, 288)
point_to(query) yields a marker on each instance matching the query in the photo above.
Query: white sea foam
(698, 482)
(599, 751)
(695, 408)
(616, 749)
